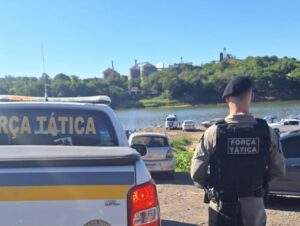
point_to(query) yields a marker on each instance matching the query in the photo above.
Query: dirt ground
(182, 204)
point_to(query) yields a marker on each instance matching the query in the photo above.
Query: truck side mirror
(140, 148)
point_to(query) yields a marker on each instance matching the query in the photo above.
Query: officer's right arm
(200, 160)
(277, 163)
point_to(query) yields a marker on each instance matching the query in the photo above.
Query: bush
(183, 156)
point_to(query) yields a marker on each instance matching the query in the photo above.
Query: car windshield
(56, 127)
(189, 122)
(282, 121)
(171, 119)
(151, 141)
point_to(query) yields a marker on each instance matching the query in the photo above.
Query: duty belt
(216, 196)
(233, 197)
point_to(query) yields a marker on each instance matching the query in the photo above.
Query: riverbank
(153, 103)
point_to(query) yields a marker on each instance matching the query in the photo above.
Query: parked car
(160, 156)
(188, 125)
(171, 122)
(290, 183)
(286, 125)
(71, 164)
(209, 123)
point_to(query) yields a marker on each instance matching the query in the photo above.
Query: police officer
(235, 159)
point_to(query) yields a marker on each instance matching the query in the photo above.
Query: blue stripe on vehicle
(66, 178)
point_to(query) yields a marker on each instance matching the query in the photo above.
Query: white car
(209, 123)
(71, 164)
(286, 125)
(160, 156)
(188, 125)
(171, 122)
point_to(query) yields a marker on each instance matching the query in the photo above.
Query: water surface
(144, 118)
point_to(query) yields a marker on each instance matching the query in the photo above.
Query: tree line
(274, 78)
(63, 85)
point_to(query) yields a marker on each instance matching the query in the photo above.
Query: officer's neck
(237, 110)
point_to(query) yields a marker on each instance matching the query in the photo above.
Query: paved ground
(182, 205)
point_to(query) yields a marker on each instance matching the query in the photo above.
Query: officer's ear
(227, 99)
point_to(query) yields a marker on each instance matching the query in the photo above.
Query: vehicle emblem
(112, 203)
(97, 223)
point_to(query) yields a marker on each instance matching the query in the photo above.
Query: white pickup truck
(71, 164)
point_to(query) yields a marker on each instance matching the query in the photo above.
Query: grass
(160, 102)
(183, 156)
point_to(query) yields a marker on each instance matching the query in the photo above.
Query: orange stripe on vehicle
(37, 193)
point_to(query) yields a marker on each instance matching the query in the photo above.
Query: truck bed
(89, 185)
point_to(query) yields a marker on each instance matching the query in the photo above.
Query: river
(145, 118)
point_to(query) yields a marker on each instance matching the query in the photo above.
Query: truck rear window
(56, 127)
(151, 141)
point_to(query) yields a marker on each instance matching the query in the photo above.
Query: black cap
(237, 86)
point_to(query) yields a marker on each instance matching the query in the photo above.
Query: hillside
(274, 79)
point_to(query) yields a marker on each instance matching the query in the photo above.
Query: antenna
(44, 75)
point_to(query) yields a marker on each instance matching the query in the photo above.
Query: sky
(82, 37)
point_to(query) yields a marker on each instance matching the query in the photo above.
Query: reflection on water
(144, 118)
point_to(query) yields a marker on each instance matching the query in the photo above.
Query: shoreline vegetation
(164, 103)
(185, 85)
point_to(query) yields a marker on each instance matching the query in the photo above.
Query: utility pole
(112, 65)
(44, 75)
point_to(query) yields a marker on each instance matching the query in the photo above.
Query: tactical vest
(239, 162)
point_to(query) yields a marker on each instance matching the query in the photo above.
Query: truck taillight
(170, 154)
(143, 206)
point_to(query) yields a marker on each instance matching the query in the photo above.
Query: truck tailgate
(59, 191)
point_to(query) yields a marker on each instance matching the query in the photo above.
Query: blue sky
(81, 37)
